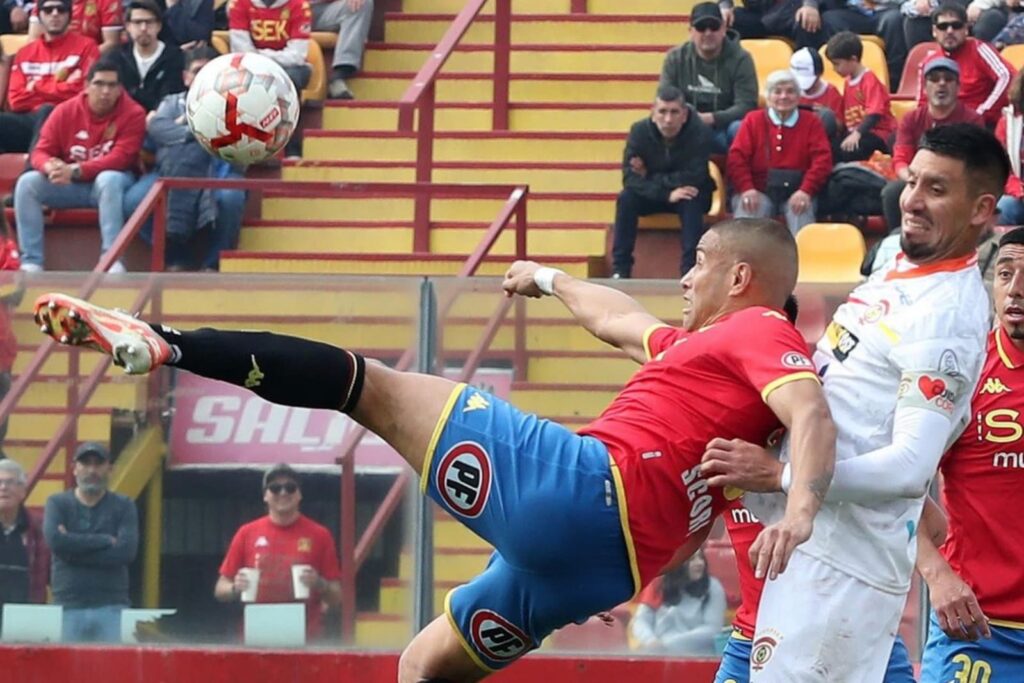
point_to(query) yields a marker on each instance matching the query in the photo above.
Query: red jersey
(273, 550)
(760, 144)
(696, 386)
(983, 487)
(829, 96)
(913, 125)
(49, 71)
(863, 96)
(271, 27)
(984, 78)
(90, 17)
(743, 528)
(76, 135)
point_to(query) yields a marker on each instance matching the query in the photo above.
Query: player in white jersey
(899, 363)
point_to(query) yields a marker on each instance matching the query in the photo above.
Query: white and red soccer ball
(242, 107)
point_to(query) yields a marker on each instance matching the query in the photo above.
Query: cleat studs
(65, 339)
(51, 304)
(73, 314)
(45, 329)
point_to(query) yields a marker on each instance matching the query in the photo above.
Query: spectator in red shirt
(273, 544)
(85, 155)
(867, 120)
(816, 93)
(45, 73)
(1009, 131)
(780, 159)
(942, 88)
(99, 20)
(278, 29)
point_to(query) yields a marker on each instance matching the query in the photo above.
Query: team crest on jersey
(304, 545)
(842, 340)
(763, 649)
(994, 385)
(464, 478)
(875, 313)
(799, 361)
(496, 637)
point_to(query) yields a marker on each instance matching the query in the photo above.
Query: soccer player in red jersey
(976, 579)
(580, 521)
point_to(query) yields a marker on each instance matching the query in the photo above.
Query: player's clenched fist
(773, 547)
(519, 279)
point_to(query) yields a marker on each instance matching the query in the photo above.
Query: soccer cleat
(132, 343)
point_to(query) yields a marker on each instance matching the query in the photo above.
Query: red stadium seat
(722, 566)
(910, 81)
(11, 166)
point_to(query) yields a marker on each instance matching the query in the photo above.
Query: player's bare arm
(610, 315)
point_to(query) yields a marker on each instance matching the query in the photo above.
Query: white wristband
(787, 478)
(545, 279)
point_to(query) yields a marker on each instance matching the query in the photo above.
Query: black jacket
(162, 79)
(684, 162)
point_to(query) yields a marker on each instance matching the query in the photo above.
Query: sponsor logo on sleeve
(948, 363)
(875, 313)
(464, 478)
(929, 390)
(843, 341)
(495, 637)
(796, 360)
(763, 649)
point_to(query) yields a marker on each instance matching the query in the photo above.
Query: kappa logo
(476, 402)
(495, 637)
(464, 478)
(255, 377)
(792, 359)
(994, 385)
(762, 651)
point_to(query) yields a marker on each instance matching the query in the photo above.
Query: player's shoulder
(761, 316)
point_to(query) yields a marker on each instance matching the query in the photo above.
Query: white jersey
(905, 322)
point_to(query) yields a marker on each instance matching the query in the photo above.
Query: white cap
(807, 66)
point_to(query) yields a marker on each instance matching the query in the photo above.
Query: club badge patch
(464, 478)
(496, 637)
(762, 652)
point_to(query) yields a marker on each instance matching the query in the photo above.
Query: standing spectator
(273, 544)
(780, 159)
(85, 155)
(715, 74)
(942, 88)
(45, 73)
(1010, 132)
(815, 92)
(278, 30)
(664, 170)
(150, 68)
(867, 17)
(795, 20)
(94, 534)
(24, 557)
(867, 120)
(14, 16)
(984, 75)
(188, 23)
(100, 20)
(350, 19)
(178, 154)
(681, 612)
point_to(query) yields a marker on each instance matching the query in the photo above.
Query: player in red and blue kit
(580, 522)
(976, 579)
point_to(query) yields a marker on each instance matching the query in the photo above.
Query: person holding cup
(283, 556)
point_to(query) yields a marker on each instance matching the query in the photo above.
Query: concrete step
(523, 59)
(376, 630)
(636, 7)
(382, 264)
(458, 566)
(479, 87)
(396, 596)
(598, 368)
(563, 399)
(118, 392)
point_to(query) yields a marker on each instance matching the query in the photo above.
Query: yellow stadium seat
(830, 252)
(1014, 54)
(873, 58)
(316, 89)
(10, 43)
(770, 54)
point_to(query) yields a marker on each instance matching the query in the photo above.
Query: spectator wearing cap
(44, 73)
(796, 20)
(94, 534)
(817, 94)
(715, 74)
(984, 74)
(24, 557)
(273, 544)
(867, 120)
(150, 68)
(99, 20)
(942, 88)
(1010, 131)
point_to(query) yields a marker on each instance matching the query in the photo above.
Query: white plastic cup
(253, 576)
(300, 590)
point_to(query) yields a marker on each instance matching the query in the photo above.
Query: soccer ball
(242, 107)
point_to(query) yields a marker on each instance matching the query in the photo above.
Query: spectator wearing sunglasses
(716, 75)
(99, 20)
(984, 75)
(274, 543)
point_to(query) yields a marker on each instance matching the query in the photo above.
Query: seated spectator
(797, 21)
(24, 557)
(188, 23)
(45, 73)
(780, 159)
(984, 75)
(1010, 132)
(84, 158)
(816, 93)
(681, 612)
(867, 120)
(664, 170)
(150, 68)
(942, 88)
(279, 30)
(14, 16)
(350, 19)
(178, 154)
(715, 74)
(99, 20)
(867, 17)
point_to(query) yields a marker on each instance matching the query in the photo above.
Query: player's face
(103, 91)
(1008, 290)
(706, 286)
(939, 210)
(669, 117)
(282, 496)
(54, 17)
(949, 31)
(143, 27)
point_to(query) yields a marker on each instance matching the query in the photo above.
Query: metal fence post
(423, 553)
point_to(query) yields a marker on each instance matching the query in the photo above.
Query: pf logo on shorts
(495, 637)
(464, 478)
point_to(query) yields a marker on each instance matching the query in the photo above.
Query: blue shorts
(549, 501)
(735, 666)
(999, 659)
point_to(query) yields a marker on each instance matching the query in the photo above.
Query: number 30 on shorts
(971, 671)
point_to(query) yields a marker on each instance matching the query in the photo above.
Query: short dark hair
(280, 471)
(146, 6)
(1014, 236)
(844, 45)
(104, 63)
(949, 8)
(670, 93)
(199, 53)
(984, 157)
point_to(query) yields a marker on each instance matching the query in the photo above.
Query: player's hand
(637, 165)
(956, 607)
(519, 280)
(751, 201)
(741, 464)
(799, 202)
(809, 18)
(683, 193)
(773, 547)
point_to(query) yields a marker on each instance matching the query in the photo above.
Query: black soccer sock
(282, 369)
